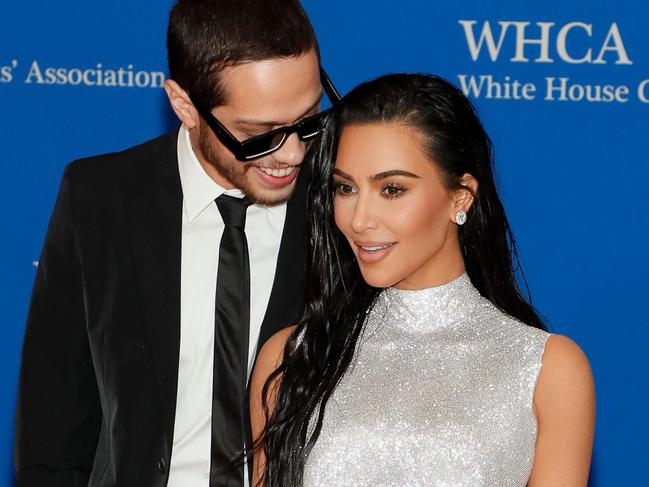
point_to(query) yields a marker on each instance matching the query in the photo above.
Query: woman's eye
(343, 189)
(393, 190)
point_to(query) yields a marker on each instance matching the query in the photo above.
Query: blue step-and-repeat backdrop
(562, 87)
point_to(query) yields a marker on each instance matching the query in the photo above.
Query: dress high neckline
(428, 309)
(460, 281)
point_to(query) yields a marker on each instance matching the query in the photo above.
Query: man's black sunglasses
(264, 144)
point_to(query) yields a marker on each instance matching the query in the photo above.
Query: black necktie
(232, 322)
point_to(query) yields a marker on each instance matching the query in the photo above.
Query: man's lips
(277, 177)
(278, 172)
(372, 252)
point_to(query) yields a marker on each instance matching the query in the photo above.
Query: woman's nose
(364, 217)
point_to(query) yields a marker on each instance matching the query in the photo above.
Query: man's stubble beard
(239, 179)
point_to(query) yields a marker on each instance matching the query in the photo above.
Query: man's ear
(181, 104)
(464, 195)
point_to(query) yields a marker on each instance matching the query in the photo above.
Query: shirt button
(162, 465)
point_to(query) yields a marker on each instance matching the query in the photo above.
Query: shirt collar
(199, 189)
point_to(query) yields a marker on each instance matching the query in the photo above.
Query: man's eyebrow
(394, 172)
(276, 123)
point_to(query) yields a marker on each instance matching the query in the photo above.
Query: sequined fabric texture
(439, 394)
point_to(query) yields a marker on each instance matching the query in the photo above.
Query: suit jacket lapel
(157, 238)
(287, 295)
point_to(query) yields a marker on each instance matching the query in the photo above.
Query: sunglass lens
(263, 144)
(310, 127)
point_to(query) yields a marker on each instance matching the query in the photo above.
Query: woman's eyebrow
(379, 176)
(394, 172)
(342, 174)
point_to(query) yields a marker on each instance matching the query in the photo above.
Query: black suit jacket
(99, 370)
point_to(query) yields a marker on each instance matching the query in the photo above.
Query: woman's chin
(379, 279)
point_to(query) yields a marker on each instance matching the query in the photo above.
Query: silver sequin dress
(439, 394)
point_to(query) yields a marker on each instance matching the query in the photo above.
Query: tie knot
(233, 210)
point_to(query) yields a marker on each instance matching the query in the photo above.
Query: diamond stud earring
(460, 218)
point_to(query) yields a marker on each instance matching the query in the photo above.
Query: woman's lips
(372, 252)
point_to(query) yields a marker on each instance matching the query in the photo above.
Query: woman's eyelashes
(389, 190)
(393, 190)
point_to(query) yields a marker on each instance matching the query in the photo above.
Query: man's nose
(292, 151)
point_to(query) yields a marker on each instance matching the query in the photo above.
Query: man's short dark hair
(206, 36)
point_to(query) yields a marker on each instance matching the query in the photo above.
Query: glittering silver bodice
(439, 394)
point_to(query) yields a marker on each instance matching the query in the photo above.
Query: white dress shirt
(202, 228)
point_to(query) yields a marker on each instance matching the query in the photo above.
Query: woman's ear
(464, 195)
(181, 104)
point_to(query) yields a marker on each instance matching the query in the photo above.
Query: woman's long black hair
(337, 298)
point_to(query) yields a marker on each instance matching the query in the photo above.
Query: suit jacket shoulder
(141, 165)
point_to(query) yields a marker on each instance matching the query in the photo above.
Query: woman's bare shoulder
(565, 369)
(564, 402)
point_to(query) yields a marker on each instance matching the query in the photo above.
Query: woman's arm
(564, 403)
(270, 357)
